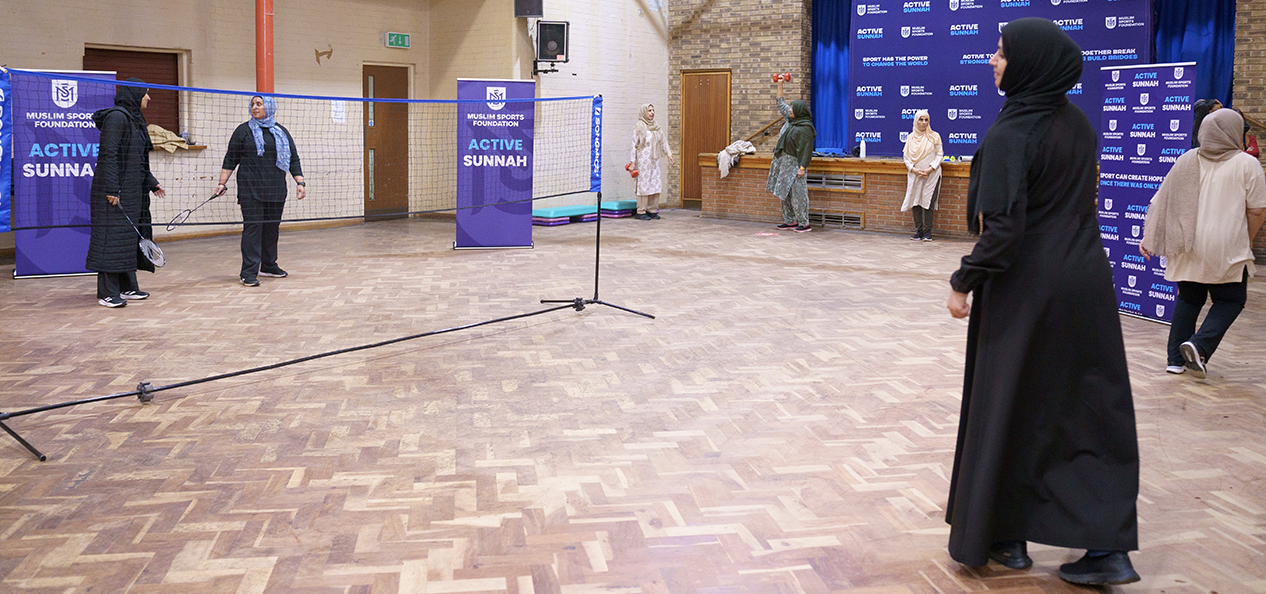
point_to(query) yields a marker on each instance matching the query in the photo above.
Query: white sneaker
(1195, 363)
(1175, 369)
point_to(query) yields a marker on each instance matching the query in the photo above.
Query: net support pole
(264, 46)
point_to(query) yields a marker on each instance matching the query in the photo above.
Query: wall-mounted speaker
(551, 41)
(528, 9)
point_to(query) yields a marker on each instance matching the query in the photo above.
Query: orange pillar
(264, 46)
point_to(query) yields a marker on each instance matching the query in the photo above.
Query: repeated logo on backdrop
(1146, 126)
(907, 55)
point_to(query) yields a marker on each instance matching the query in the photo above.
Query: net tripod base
(26, 444)
(579, 304)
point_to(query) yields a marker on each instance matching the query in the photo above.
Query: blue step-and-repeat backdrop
(907, 55)
(1146, 125)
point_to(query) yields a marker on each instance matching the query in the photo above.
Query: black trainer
(1013, 554)
(274, 272)
(803, 229)
(917, 236)
(654, 215)
(250, 282)
(112, 301)
(786, 226)
(134, 295)
(1105, 570)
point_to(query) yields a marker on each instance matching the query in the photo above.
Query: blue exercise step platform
(616, 209)
(562, 215)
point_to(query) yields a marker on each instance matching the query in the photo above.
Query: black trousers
(1228, 302)
(925, 217)
(260, 228)
(110, 284)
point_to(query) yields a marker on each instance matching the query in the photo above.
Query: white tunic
(1222, 247)
(920, 191)
(649, 179)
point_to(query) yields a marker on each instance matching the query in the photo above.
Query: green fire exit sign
(400, 40)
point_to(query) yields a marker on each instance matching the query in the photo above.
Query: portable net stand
(567, 172)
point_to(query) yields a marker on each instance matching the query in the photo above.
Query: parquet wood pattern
(785, 425)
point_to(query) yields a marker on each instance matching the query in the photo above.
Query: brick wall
(742, 195)
(1250, 78)
(750, 38)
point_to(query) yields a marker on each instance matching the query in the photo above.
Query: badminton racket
(148, 248)
(184, 215)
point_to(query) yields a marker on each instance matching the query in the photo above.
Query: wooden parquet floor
(785, 425)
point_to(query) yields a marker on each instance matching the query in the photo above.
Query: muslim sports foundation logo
(1112, 125)
(1160, 311)
(905, 32)
(859, 113)
(1132, 280)
(905, 90)
(1144, 98)
(1110, 22)
(1116, 76)
(965, 4)
(904, 136)
(1107, 204)
(861, 10)
(65, 93)
(951, 114)
(1174, 124)
(1178, 72)
(496, 98)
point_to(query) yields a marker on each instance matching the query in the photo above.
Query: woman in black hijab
(1047, 450)
(121, 184)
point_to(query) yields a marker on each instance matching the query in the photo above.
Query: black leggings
(1228, 302)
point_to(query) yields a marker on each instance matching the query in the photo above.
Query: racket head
(179, 219)
(151, 252)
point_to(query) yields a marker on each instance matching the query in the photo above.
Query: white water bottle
(862, 154)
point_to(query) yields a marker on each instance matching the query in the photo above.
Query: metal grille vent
(846, 220)
(834, 181)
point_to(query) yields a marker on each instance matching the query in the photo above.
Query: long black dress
(123, 171)
(1047, 450)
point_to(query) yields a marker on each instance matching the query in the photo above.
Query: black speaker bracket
(536, 67)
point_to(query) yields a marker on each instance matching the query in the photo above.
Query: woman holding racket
(266, 153)
(120, 196)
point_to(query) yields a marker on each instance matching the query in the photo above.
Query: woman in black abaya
(1047, 450)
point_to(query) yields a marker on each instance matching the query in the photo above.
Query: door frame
(681, 107)
(410, 79)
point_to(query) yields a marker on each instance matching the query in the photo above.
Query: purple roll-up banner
(55, 146)
(1146, 126)
(907, 55)
(494, 163)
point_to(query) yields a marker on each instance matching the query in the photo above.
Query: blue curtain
(1201, 31)
(832, 21)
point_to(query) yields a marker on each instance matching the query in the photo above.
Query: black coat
(1047, 450)
(123, 171)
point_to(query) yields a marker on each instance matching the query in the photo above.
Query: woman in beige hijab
(649, 144)
(1202, 220)
(923, 156)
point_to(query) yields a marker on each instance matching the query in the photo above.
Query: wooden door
(705, 126)
(386, 142)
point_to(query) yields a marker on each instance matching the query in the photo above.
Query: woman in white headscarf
(923, 156)
(1203, 220)
(649, 144)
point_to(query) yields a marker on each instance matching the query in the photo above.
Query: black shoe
(274, 272)
(654, 215)
(1195, 363)
(250, 282)
(803, 229)
(927, 236)
(643, 217)
(787, 226)
(1013, 554)
(917, 236)
(133, 295)
(1107, 570)
(112, 301)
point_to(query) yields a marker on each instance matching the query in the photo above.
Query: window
(152, 67)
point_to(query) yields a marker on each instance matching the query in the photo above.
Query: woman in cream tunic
(649, 144)
(923, 155)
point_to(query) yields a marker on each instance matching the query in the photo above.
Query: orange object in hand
(786, 76)
(629, 168)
